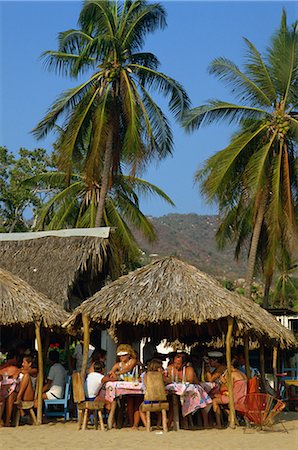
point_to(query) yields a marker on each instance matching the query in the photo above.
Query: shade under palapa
(173, 300)
(20, 304)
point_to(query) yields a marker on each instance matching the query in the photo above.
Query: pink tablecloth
(7, 387)
(192, 396)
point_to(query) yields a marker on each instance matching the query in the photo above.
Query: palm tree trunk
(254, 246)
(105, 179)
(268, 281)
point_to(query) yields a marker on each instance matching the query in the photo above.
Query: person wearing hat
(214, 366)
(123, 368)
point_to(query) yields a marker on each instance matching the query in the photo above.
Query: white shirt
(78, 356)
(57, 374)
(93, 384)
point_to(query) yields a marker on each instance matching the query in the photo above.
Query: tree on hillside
(15, 197)
(255, 176)
(114, 105)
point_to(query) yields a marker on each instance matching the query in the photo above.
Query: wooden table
(292, 382)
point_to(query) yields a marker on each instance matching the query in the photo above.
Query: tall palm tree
(114, 105)
(74, 205)
(257, 169)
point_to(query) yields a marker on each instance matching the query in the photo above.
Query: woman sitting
(155, 365)
(178, 371)
(8, 385)
(124, 369)
(214, 367)
(27, 377)
(126, 363)
(239, 380)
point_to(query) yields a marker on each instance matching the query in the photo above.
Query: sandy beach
(65, 436)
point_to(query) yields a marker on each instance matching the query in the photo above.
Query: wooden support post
(246, 355)
(262, 366)
(232, 415)
(40, 373)
(86, 322)
(274, 366)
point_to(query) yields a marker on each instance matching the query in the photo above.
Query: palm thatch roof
(20, 304)
(170, 299)
(52, 265)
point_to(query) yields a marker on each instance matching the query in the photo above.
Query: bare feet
(134, 428)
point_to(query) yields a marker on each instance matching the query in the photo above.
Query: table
(292, 382)
(192, 396)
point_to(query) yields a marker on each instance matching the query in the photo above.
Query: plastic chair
(260, 409)
(63, 401)
(85, 407)
(155, 398)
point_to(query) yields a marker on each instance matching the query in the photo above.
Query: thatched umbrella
(21, 305)
(172, 299)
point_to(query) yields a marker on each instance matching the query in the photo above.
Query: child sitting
(95, 379)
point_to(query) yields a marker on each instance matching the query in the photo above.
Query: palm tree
(114, 106)
(75, 205)
(256, 172)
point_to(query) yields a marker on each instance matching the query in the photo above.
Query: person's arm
(49, 381)
(129, 366)
(114, 369)
(190, 376)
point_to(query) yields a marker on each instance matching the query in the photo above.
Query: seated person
(155, 365)
(214, 366)
(239, 380)
(125, 367)
(241, 359)
(55, 384)
(179, 371)
(8, 385)
(127, 361)
(27, 377)
(95, 379)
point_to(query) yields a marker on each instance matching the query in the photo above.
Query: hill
(192, 237)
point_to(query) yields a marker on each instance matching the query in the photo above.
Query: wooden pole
(274, 366)
(262, 366)
(86, 322)
(40, 373)
(68, 355)
(232, 415)
(246, 355)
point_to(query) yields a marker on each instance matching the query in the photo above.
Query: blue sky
(197, 32)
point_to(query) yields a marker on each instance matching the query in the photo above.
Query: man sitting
(55, 385)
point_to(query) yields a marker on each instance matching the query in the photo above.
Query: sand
(65, 436)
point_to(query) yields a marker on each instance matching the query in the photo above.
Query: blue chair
(61, 401)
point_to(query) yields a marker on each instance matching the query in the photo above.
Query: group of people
(18, 378)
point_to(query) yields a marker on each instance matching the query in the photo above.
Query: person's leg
(26, 392)
(142, 416)
(216, 402)
(205, 416)
(2, 404)
(171, 412)
(136, 416)
(9, 407)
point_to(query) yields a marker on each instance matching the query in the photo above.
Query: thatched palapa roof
(51, 262)
(172, 299)
(20, 304)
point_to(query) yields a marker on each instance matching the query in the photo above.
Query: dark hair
(184, 357)
(219, 359)
(98, 354)
(54, 356)
(98, 366)
(235, 363)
